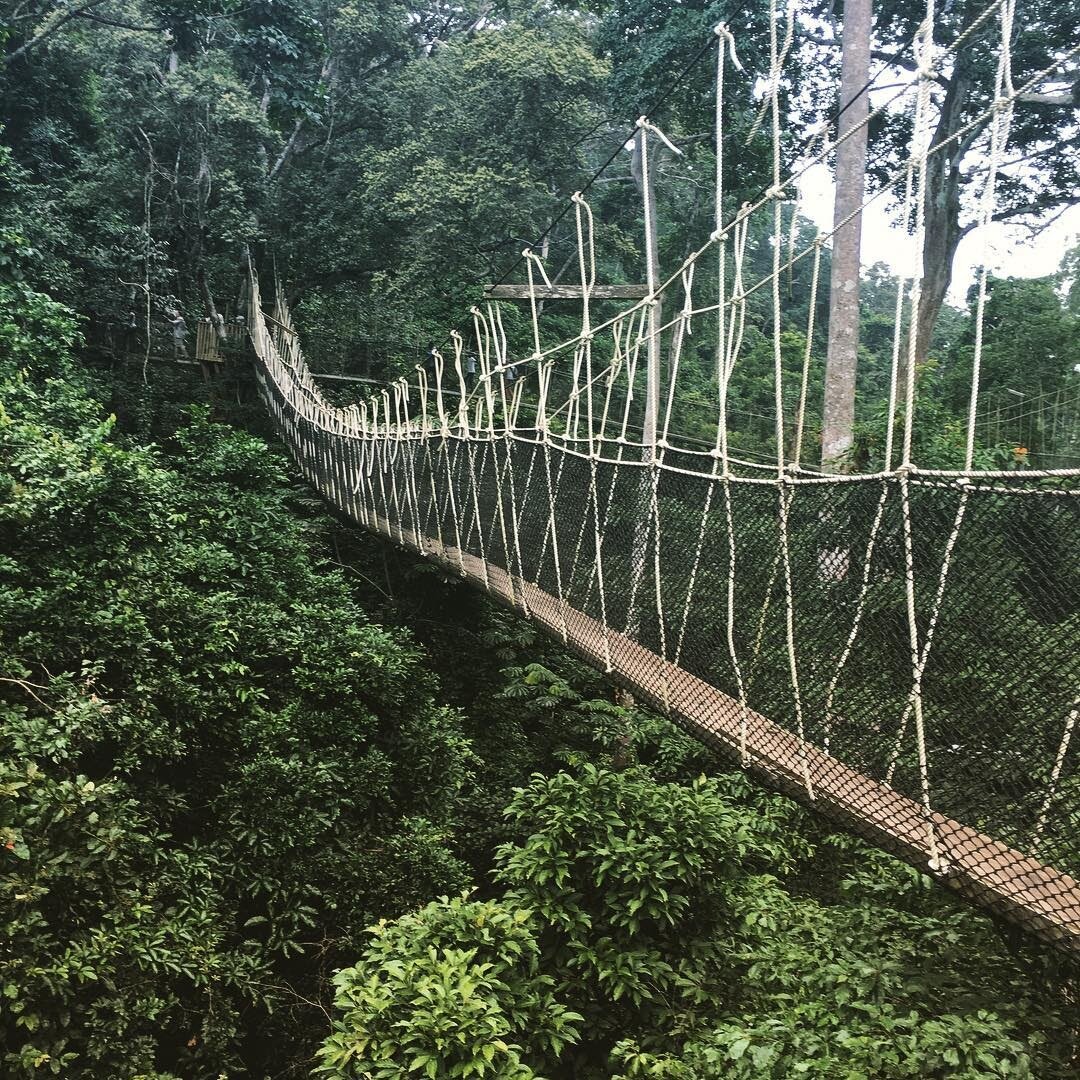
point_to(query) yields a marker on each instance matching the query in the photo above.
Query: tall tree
(1043, 176)
(838, 418)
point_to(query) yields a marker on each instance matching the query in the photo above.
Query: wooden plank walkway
(1006, 881)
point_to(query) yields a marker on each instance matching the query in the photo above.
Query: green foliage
(216, 769)
(882, 1045)
(646, 911)
(637, 882)
(452, 991)
(33, 328)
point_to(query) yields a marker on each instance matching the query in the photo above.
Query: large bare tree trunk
(838, 418)
(202, 194)
(941, 202)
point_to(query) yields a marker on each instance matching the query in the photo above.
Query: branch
(1038, 228)
(1043, 151)
(1037, 206)
(1059, 97)
(288, 149)
(122, 25)
(52, 24)
(29, 687)
(890, 58)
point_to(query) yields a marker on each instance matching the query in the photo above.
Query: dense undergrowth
(269, 786)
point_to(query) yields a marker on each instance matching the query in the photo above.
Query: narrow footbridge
(769, 617)
(898, 649)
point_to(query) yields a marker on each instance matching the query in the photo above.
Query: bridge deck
(980, 867)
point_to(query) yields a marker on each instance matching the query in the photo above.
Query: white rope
(786, 493)
(1000, 126)
(342, 451)
(856, 622)
(1055, 774)
(800, 416)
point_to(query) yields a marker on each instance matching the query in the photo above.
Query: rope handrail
(850, 637)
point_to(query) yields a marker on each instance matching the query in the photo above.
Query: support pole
(643, 180)
(646, 185)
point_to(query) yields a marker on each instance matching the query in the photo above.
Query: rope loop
(647, 125)
(726, 36)
(939, 865)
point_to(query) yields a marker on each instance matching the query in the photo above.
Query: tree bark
(202, 195)
(941, 205)
(838, 418)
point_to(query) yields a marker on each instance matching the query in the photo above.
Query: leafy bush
(216, 770)
(451, 991)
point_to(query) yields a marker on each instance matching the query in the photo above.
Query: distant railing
(358, 360)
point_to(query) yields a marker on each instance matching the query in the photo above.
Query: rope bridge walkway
(897, 649)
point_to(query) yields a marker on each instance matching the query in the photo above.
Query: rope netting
(898, 647)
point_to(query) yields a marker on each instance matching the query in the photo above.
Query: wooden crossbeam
(565, 292)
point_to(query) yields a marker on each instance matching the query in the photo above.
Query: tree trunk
(838, 418)
(941, 205)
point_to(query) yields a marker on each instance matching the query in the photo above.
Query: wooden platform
(1036, 896)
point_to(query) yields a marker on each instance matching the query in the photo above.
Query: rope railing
(897, 648)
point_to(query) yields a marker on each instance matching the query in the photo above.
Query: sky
(1008, 250)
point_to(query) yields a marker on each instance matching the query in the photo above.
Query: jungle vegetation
(277, 800)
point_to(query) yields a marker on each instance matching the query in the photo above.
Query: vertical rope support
(1000, 126)
(652, 387)
(552, 531)
(800, 416)
(898, 322)
(729, 618)
(786, 493)
(429, 465)
(1055, 774)
(725, 360)
(925, 60)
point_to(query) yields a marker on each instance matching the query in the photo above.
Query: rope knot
(775, 192)
(725, 35)
(939, 865)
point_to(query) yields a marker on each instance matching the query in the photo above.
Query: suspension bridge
(897, 649)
